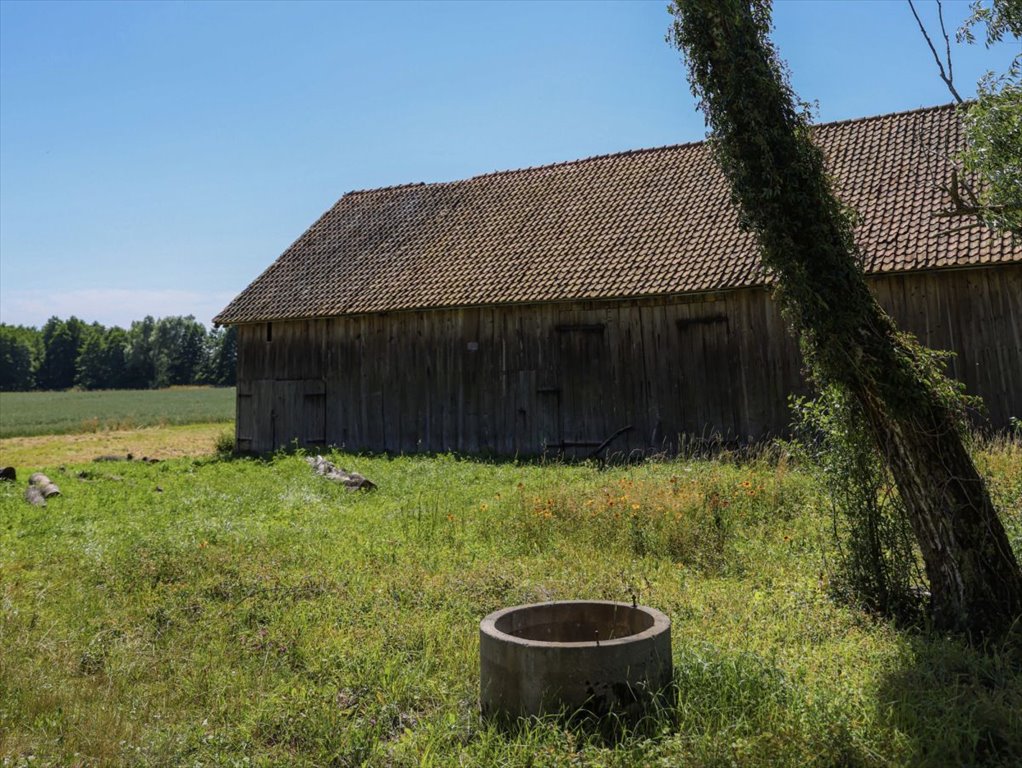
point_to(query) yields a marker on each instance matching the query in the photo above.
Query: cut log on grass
(41, 485)
(34, 495)
(352, 480)
(114, 457)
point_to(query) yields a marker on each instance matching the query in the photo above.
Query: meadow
(218, 611)
(50, 413)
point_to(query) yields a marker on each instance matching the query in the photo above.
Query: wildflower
(484, 507)
(635, 507)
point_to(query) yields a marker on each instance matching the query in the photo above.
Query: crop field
(48, 413)
(220, 611)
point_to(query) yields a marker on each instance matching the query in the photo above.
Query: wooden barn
(610, 304)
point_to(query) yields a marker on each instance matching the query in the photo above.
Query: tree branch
(947, 76)
(947, 45)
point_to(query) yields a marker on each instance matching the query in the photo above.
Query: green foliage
(993, 125)
(171, 351)
(141, 356)
(180, 343)
(100, 362)
(219, 365)
(17, 358)
(62, 341)
(998, 18)
(875, 565)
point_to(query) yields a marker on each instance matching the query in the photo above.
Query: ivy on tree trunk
(761, 137)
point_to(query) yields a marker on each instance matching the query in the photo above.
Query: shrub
(876, 564)
(224, 444)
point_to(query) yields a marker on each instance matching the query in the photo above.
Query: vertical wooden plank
(548, 381)
(491, 384)
(631, 360)
(473, 380)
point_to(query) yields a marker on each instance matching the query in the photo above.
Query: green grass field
(243, 612)
(51, 413)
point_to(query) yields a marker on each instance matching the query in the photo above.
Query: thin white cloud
(109, 306)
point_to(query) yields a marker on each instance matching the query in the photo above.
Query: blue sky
(156, 157)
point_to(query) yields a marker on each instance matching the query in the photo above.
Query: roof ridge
(899, 113)
(624, 153)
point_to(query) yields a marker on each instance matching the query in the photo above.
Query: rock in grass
(8, 474)
(38, 478)
(352, 480)
(33, 495)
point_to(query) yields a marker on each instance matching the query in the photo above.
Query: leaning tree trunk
(778, 179)
(974, 578)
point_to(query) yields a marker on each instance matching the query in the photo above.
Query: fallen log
(353, 481)
(115, 457)
(46, 486)
(34, 496)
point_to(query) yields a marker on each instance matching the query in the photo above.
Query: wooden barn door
(708, 391)
(298, 413)
(275, 413)
(255, 416)
(582, 370)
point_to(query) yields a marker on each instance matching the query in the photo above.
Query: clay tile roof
(642, 223)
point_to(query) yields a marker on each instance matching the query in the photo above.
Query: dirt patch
(165, 442)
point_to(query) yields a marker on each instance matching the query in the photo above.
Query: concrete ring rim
(661, 624)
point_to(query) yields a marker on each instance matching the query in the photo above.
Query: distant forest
(148, 355)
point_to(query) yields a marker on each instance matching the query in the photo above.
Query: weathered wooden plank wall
(565, 377)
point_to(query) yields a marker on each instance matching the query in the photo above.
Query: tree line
(149, 354)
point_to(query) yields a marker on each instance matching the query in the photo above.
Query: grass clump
(224, 444)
